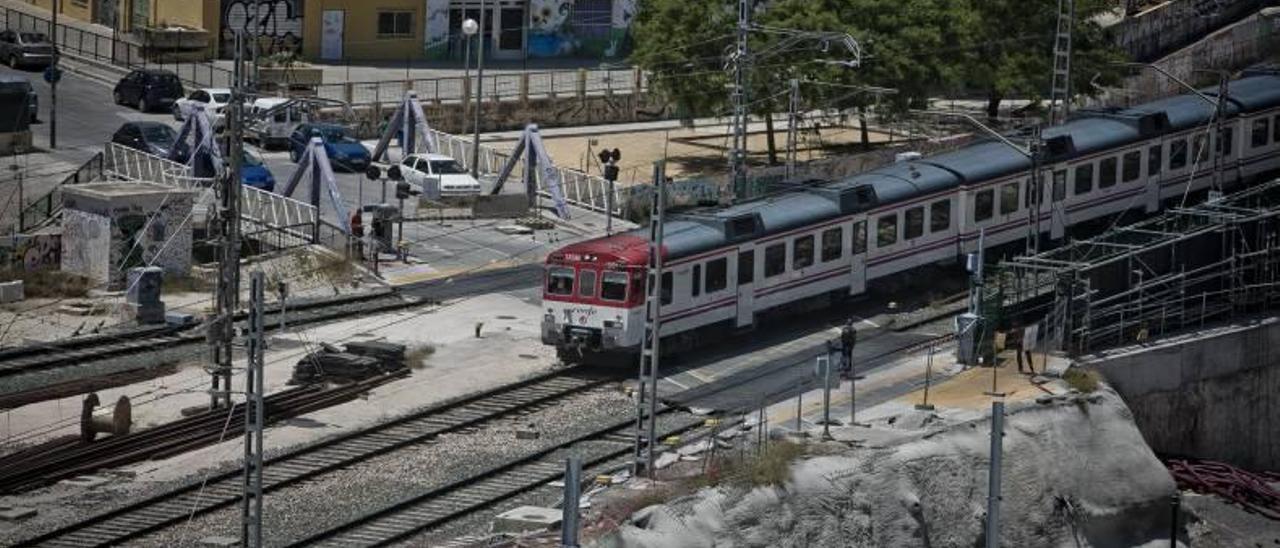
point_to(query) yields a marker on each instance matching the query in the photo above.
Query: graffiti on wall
(280, 24)
(31, 252)
(559, 28)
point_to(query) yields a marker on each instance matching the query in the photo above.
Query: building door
(510, 28)
(331, 35)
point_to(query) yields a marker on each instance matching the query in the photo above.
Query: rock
(695, 448)
(1044, 400)
(219, 541)
(667, 458)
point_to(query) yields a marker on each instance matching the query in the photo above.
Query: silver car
(25, 48)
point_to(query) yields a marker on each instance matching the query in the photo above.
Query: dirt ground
(696, 151)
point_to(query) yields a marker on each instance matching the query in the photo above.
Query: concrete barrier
(503, 206)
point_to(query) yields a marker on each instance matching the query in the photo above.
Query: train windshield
(614, 286)
(560, 281)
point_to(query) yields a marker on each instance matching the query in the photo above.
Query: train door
(1151, 194)
(858, 254)
(746, 276)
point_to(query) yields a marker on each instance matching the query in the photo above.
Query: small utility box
(109, 228)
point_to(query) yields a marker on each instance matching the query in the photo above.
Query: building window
(586, 283)
(668, 285)
(1155, 159)
(1132, 166)
(1084, 179)
(914, 220)
(717, 275)
(859, 237)
(1261, 132)
(1009, 198)
(696, 279)
(887, 230)
(802, 252)
(1178, 154)
(746, 267)
(775, 260)
(832, 244)
(614, 286)
(940, 215)
(395, 24)
(983, 205)
(1107, 173)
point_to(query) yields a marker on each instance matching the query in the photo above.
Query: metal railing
(49, 206)
(497, 87)
(128, 164)
(291, 220)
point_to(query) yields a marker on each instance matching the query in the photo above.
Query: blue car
(253, 173)
(345, 152)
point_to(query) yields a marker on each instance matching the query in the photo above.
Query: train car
(820, 240)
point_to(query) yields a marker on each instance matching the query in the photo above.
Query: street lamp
(469, 28)
(475, 141)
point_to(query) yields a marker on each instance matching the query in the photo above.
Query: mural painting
(32, 252)
(582, 28)
(280, 26)
(436, 45)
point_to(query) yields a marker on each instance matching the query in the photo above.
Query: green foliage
(1084, 380)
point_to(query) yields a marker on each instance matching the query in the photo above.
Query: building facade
(398, 30)
(131, 15)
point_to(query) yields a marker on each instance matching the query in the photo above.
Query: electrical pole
(647, 389)
(53, 80)
(227, 296)
(1060, 94)
(993, 475)
(475, 139)
(1035, 186)
(792, 121)
(254, 410)
(738, 155)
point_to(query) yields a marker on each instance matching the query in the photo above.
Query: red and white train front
(593, 295)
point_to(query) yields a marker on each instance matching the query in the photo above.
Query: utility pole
(254, 410)
(475, 139)
(647, 394)
(572, 500)
(54, 77)
(993, 475)
(792, 123)
(1060, 94)
(227, 296)
(738, 154)
(1035, 186)
(1221, 111)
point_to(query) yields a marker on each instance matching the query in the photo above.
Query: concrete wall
(360, 39)
(1163, 29)
(1210, 396)
(109, 228)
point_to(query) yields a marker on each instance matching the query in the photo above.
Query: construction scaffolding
(1210, 262)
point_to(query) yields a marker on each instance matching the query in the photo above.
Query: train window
(859, 237)
(940, 216)
(1178, 154)
(914, 223)
(887, 230)
(668, 287)
(1261, 132)
(775, 260)
(1059, 185)
(802, 252)
(587, 283)
(832, 244)
(1199, 152)
(1223, 147)
(1155, 159)
(1132, 166)
(983, 205)
(614, 286)
(1107, 172)
(697, 280)
(1084, 179)
(560, 281)
(1009, 198)
(1275, 129)
(746, 267)
(717, 275)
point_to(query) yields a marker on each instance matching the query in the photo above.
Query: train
(818, 239)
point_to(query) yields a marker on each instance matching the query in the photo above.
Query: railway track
(224, 489)
(82, 350)
(605, 449)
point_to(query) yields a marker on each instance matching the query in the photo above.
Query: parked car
(148, 89)
(255, 174)
(271, 122)
(153, 138)
(437, 175)
(345, 152)
(21, 86)
(25, 48)
(211, 100)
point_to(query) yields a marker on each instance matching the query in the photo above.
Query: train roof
(810, 202)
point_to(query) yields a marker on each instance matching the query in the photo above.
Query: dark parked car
(14, 86)
(148, 89)
(153, 138)
(25, 48)
(344, 151)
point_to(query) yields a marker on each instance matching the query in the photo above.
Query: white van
(271, 121)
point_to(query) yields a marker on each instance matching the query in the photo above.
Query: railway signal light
(610, 160)
(394, 173)
(373, 173)
(405, 190)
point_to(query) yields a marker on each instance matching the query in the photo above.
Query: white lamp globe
(470, 27)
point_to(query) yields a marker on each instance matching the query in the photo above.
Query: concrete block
(12, 292)
(148, 314)
(16, 513)
(666, 459)
(526, 434)
(178, 319)
(143, 284)
(219, 541)
(527, 518)
(88, 482)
